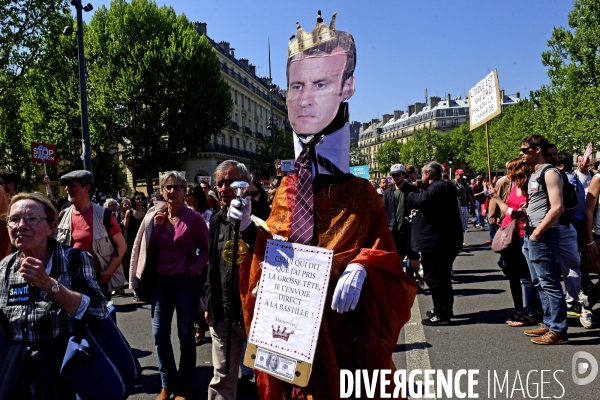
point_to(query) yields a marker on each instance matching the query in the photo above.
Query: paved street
(478, 339)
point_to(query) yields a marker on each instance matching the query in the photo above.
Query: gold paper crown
(303, 40)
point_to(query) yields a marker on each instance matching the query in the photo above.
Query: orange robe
(350, 220)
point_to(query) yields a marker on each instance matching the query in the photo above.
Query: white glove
(240, 211)
(347, 290)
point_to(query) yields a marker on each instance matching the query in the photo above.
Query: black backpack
(569, 195)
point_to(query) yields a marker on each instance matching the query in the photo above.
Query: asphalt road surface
(508, 365)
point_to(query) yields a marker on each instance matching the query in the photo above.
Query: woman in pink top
(179, 248)
(514, 264)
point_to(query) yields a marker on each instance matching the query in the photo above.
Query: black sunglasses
(526, 149)
(254, 193)
(139, 199)
(177, 188)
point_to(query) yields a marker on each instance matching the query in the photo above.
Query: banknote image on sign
(290, 299)
(276, 364)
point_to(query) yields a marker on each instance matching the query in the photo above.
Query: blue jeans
(175, 293)
(541, 256)
(493, 229)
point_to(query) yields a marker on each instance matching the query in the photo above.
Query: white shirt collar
(335, 147)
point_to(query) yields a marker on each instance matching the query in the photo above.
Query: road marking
(415, 344)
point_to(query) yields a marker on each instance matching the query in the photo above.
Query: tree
(387, 155)
(426, 145)
(284, 145)
(357, 157)
(155, 84)
(574, 55)
(24, 25)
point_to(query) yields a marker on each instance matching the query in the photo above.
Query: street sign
(43, 153)
(484, 100)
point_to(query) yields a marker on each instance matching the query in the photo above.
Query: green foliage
(24, 24)
(284, 145)
(357, 157)
(573, 57)
(388, 154)
(155, 84)
(426, 145)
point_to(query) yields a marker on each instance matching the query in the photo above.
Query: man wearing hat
(465, 196)
(395, 201)
(85, 225)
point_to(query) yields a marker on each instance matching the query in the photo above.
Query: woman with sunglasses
(196, 200)
(168, 257)
(43, 285)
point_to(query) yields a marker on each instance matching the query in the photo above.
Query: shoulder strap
(108, 226)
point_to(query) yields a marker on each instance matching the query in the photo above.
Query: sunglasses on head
(177, 188)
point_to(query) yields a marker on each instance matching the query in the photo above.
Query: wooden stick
(487, 137)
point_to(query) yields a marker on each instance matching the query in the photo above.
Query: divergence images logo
(579, 368)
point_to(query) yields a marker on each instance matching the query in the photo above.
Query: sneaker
(431, 313)
(421, 283)
(586, 318)
(465, 245)
(541, 330)
(550, 337)
(573, 311)
(435, 320)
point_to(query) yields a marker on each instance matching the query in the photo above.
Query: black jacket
(437, 226)
(390, 207)
(216, 289)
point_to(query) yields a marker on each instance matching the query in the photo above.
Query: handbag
(99, 363)
(593, 267)
(505, 238)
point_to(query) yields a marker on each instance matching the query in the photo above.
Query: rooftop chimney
(398, 114)
(386, 118)
(232, 52)
(434, 100)
(201, 27)
(225, 46)
(244, 62)
(252, 68)
(419, 107)
(449, 100)
(502, 96)
(518, 95)
(411, 110)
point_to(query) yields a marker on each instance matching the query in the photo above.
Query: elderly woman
(173, 246)
(41, 287)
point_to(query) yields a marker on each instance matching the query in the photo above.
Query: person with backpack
(542, 237)
(92, 228)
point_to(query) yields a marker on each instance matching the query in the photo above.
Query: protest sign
(587, 154)
(203, 179)
(484, 100)
(287, 165)
(289, 304)
(43, 153)
(362, 171)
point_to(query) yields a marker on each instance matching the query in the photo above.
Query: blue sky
(403, 47)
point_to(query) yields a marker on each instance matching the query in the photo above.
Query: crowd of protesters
(175, 239)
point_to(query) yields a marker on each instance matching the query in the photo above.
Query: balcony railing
(234, 125)
(219, 148)
(247, 131)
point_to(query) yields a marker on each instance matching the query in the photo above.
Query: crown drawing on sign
(303, 40)
(281, 333)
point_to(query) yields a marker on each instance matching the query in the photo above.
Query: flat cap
(80, 175)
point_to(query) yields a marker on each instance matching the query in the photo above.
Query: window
(236, 118)
(222, 140)
(455, 112)
(250, 147)
(237, 143)
(261, 129)
(243, 101)
(243, 122)
(466, 111)
(442, 113)
(230, 141)
(443, 122)
(456, 122)
(235, 97)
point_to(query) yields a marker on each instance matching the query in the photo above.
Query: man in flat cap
(87, 226)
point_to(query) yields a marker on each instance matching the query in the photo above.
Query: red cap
(459, 171)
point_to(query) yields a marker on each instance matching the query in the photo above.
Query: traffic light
(450, 158)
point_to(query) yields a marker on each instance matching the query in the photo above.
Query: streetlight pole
(271, 120)
(85, 130)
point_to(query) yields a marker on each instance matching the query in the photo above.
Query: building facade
(440, 115)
